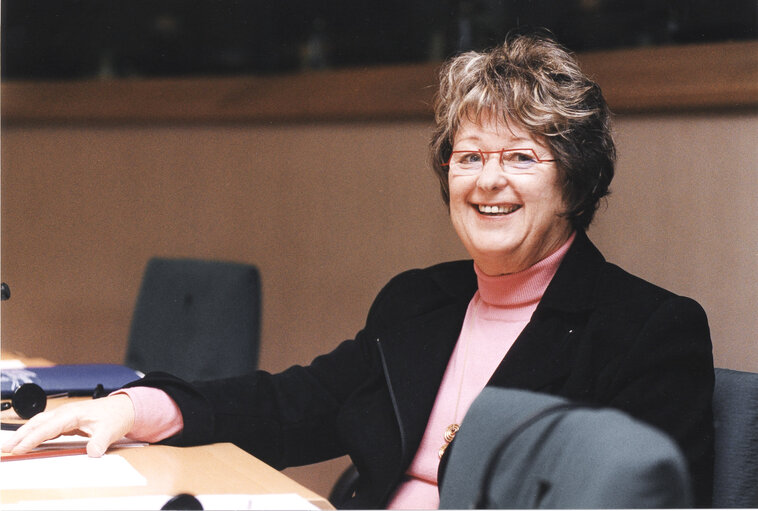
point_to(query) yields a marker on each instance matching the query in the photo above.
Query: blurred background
(293, 136)
(66, 39)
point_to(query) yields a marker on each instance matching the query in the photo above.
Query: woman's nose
(492, 176)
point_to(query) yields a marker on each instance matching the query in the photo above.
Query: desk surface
(208, 469)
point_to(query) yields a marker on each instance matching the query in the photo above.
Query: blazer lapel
(415, 361)
(540, 355)
(543, 353)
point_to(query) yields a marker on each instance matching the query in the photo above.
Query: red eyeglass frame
(501, 151)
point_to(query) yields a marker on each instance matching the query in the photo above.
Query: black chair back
(196, 319)
(735, 418)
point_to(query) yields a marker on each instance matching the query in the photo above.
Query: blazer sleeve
(289, 418)
(285, 419)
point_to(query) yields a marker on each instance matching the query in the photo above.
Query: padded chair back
(196, 319)
(520, 449)
(735, 417)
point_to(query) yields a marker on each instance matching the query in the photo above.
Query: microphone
(183, 501)
(28, 400)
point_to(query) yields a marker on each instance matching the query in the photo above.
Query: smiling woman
(530, 97)
(523, 152)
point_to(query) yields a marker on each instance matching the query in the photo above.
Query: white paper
(11, 364)
(77, 471)
(150, 502)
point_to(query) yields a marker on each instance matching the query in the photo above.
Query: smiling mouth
(497, 210)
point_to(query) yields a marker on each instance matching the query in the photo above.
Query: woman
(524, 153)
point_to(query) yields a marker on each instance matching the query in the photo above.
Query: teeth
(497, 210)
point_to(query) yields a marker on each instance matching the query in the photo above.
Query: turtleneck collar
(523, 288)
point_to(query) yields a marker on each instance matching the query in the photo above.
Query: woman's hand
(104, 420)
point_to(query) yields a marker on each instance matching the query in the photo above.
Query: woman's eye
(469, 158)
(519, 157)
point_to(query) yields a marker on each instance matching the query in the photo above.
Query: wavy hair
(533, 81)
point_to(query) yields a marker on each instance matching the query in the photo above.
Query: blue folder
(74, 379)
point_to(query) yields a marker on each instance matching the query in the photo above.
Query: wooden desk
(208, 469)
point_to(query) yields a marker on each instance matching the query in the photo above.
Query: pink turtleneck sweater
(495, 317)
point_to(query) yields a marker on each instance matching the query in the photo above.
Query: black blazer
(599, 335)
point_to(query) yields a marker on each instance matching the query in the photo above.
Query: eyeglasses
(512, 161)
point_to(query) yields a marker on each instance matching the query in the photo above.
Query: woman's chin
(499, 258)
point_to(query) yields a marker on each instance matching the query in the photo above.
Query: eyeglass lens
(511, 160)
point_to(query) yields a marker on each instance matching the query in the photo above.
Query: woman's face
(507, 222)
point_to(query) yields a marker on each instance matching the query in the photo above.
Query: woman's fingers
(41, 427)
(105, 420)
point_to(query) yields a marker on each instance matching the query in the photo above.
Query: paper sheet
(11, 364)
(79, 471)
(220, 502)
